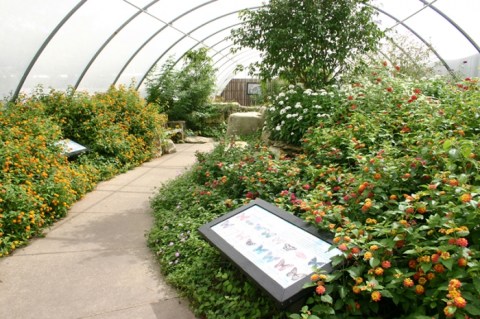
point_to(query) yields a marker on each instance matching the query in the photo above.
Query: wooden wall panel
(236, 91)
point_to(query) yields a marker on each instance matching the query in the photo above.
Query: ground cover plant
(38, 184)
(392, 172)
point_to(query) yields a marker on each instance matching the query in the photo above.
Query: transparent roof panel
(24, 27)
(76, 42)
(119, 50)
(115, 41)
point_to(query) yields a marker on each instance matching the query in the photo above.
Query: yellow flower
(376, 296)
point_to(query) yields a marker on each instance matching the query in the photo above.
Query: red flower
(419, 289)
(397, 67)
(417, 91)
(320, 290)
(459, 302)
(462, 262)
(454, 284)
(407, 282)
(355, 250)
(389, 89)
(412, 263)
(462, 242)
(386, 264)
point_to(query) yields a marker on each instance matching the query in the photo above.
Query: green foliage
(414, 59)
(116, 125)
(212, 118)
(36, 187)
(38, 183)
(393, 173)
(162, 89)
(182, 92)
(295, 109)
(215, 287)
(309, 41)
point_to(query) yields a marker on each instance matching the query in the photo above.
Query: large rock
(245, 123)
(169, 147)
(198, 140)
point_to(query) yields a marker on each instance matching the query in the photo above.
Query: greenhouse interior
(300, 159)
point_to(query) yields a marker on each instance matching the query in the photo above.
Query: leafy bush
(392, 173)
(36, 186)
(399, 187)
(38, 183)
(211, 119)
(183, 92)
(117, 126)
(295, 110)
(215, 287)
(309, 42)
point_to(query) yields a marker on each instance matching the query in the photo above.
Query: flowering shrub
(399, 187)
(221, 181)
(293, 111)
(392, 173)
(117, 125)
(38, 184)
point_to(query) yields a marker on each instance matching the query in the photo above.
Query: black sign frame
(282, 296)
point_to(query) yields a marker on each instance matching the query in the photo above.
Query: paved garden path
(95, 263)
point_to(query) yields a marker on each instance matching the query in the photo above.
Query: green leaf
(471, 309)
(426, 266)
(448, 263)
(327, 299)
(476, 283)
(386, 293)
(342, 292)
(374, 262)
(295, 316)
(410, 252)
(337, 260)
(447, 144)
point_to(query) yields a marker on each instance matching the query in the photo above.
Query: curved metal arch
(44, 45)
(228, 77)
(236, 61)
(154, 35)
(110, 38)
(206, 38)
(183, 37)
(222, 49)
(231, 59)
(465, 34)
(390, 39)
(419, 37)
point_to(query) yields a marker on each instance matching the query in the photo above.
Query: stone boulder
(245, 123)
(169, 147)
(198, 140)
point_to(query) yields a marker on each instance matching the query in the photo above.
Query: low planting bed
(392, 171)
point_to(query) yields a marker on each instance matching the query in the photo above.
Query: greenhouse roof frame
(206, 20)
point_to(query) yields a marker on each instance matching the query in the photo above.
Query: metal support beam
(43, 46)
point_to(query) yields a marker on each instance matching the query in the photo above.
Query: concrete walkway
(95, 262)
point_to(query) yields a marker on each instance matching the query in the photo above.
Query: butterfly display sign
(276, 249)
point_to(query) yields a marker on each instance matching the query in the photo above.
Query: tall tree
(179, 93)
(308, 41)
